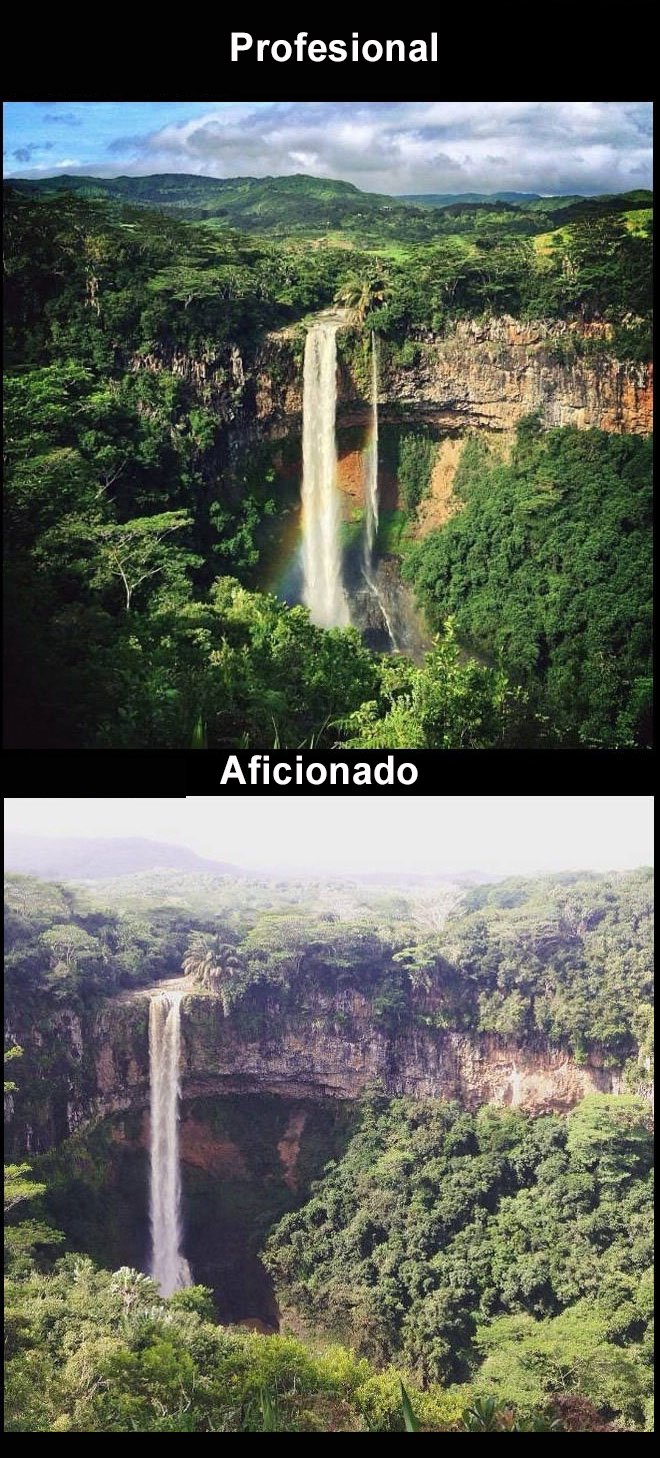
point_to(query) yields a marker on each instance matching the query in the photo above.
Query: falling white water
(323, 591)
(169, 1266)
(371, 500)
(371, 517)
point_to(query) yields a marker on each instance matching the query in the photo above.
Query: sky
(501, 834)
(381, 146)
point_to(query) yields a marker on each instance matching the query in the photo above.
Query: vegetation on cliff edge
(131, 344)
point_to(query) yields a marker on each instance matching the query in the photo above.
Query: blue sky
(398, 147)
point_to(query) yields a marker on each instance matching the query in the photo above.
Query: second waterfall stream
(169, 1266)
(371, 504)
(323, 589)
(371, 501)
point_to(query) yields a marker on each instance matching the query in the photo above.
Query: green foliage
(410, 1421)
(570, 956)
(547, 569)
(99, 1351)
(485, 1248)
(64, 945)
(567, 958)
(210, 961)
(416, 457)
(10, 1056)
(363, 296)
(449, 703)
(133, 339)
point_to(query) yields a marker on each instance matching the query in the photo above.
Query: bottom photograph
(332, 1118)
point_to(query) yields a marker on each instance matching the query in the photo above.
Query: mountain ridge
(91, 859)
(300, 201)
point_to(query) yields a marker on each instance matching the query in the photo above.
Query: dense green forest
(548, 568)
(134, 536)
(508, 1252)
(566, 958)
(486, 1273)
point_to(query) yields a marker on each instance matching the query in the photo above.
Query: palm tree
(210, 961)
(132, 1286)
(362, 296)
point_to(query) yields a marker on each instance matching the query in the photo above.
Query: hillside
(302, 204)
(442, 199)
(81, 859)
(256, 203)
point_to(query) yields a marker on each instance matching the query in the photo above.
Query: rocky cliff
(483, 374)
(480, 374)
(89, 1065)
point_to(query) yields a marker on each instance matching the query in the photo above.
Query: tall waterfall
(369, 571)
(323, 591)
(371, 517)
(168, 1265)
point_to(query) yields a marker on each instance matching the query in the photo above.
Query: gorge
(261, 1113)
(295, 1106)
(480, 379)
(332, 1050)
(485, 357)
(477, 382)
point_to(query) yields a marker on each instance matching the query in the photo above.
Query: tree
(363, 295)
(610, 1134)
(210, 961)
(70, 944)
(135, 551)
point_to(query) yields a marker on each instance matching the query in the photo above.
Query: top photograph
(328, 425)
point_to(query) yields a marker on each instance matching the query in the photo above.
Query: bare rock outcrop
(485, 374)
(333, 1048)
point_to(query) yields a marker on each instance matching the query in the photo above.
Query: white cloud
(413, 146)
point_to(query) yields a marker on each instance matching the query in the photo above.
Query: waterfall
(323, 591)
(371, 518)
(168, 1265)
(371, 501)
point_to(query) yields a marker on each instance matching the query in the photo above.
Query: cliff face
(485, 375)
(97, 1064)
(338, 1052)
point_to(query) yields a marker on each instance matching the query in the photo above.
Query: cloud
(398, 147)
(413, 146)
(62, 119)
(26, 153)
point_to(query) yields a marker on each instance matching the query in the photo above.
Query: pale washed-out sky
(502, 834)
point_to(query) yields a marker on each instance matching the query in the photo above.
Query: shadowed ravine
(266, 1101)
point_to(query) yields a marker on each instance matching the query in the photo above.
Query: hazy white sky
(506, 834)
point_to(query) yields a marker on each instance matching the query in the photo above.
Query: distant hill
(249, 202)
(444, 199)
(315, 205)
(74, 858)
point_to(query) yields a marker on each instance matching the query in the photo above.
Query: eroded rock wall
(484, 374)
(85, 1066)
